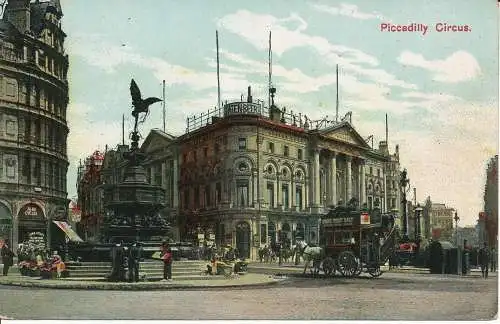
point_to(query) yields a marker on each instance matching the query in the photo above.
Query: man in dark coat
(7, 257)
(134, 261)
(484, 260)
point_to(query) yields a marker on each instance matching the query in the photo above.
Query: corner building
(33, 128)
(251, 176)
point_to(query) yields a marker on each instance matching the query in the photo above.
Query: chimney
(249, 96)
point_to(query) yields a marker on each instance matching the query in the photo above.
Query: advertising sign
(365, 219)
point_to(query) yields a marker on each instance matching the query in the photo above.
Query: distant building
(468, 233)
(440, 219)
(33, 128)
(90, 196)
(490, 216)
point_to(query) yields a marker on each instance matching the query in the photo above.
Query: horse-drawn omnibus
(355, 240)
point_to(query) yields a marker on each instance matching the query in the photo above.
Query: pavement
(241, 280)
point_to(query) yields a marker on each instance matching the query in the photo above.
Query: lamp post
(456, 218)
(405, 187)
(418, 213)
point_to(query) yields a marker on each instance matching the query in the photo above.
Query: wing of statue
(151, 100)
(135, 92)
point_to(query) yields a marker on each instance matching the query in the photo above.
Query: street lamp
(418, 213)
(456, 218)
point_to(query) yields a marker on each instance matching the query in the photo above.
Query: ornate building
(490, 216)
(250, 175)
(90, 196)
(33, 128)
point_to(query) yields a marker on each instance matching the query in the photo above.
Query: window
(378, 172)
(184, 158)
(393, 203)
(157, 177)
(196, 197)
(242, 143)
(285, 150)
(51, 174)
(205, 151)
(370, 203)
(285, 196)
(371, 170)
(27, 169)
(270, 194)
(38, 172)
(299, 154)
(298, 197)
(218, 191)
(148, 174)
(194, 156)
(270, 147)
(27, 129)
(242, 193)
(207, 196)
(216, 148)
(263, 233)
(186, 198)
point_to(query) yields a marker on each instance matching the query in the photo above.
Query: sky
(439, 89)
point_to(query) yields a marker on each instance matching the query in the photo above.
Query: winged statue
(140, 105)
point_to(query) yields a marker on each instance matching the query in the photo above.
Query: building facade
(90, 196)
(33, 128)
(490, 217)
(440, 221)
(250, 176)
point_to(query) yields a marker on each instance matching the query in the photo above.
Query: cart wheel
(375, 272)
(329, 266)
(348, 265)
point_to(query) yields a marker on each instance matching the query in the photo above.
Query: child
(167, 263)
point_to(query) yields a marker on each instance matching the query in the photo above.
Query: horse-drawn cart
(354, 241)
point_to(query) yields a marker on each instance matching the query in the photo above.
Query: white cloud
(445, 156)
(459, 66)
(347, 10)
(254, 27)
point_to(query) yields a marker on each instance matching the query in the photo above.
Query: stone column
(362, 196)
(333, 179)
(279, 200)
(316, 179)
(293, 199)
(349, 178)
(255, 188)
(175, 182)
(384, 207)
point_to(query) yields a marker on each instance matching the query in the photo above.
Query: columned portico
(349, 178)
(316, 180)
(362, 192)
(333, 178)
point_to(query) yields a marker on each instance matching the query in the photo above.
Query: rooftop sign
(242, 108)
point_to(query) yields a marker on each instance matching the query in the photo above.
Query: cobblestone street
(394, 296)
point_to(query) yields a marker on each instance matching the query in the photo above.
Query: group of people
(487, 260)
(125, 262)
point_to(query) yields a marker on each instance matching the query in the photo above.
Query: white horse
(310, 253)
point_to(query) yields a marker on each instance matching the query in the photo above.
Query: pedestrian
(167, 262)
(484, 259)
(493, 260)
(7, 257)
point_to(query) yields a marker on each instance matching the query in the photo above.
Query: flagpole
(218, 71)
(164, 112)
(270, 59)
(337, 102)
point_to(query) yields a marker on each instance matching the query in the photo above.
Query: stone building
(161, 167)
(90, 196)
(440, 220)
(33, 128)
(490, 198)
(250, 175)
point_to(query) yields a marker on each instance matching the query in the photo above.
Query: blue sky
(440, 90)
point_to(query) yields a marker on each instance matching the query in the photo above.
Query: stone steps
(184, 270)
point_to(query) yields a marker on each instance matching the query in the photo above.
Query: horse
(309, 254)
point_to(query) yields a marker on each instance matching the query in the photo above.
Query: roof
(38, 10)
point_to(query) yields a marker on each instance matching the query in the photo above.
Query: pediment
(156, 140)
(345, 133)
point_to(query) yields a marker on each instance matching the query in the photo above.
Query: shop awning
(68, 231)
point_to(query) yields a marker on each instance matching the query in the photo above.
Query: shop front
(31, 219)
